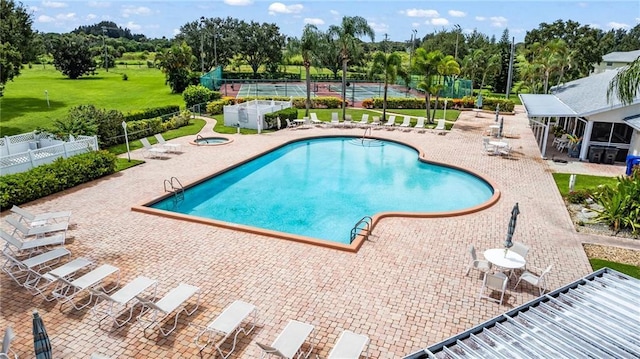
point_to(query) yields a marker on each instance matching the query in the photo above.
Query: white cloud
(66, 17)
(91, 17)
(618, 25)
(176, 32)
(133, 26)
(457, 13)
(439, 21)
(415, 24)
(45, 19)
(34, 8)
(99, 4)
(280, 8)
(420, 13)
(498, 21)
(129, 10)
(53, 4)
(334, 12)
(480, 18)
(379, 27)
(638, 19)
(313, 21)
(238, 2)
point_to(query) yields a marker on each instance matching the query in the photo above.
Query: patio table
(504, 259)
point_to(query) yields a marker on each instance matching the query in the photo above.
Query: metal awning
(594, 317)
(633, 121)
(545, 106)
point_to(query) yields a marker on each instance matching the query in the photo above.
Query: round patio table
(509, 260)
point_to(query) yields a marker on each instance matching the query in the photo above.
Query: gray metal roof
(621, 56)
(633, 121)
(594, 317)
(545, 106)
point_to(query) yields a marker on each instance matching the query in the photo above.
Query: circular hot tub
(211, 141)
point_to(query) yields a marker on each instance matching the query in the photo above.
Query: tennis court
(359, 93)
(284, 89)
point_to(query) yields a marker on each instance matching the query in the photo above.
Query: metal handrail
(366, 220)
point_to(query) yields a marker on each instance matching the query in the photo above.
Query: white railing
(31, 156)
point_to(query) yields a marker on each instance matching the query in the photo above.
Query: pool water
(211, 140)
(320, 188)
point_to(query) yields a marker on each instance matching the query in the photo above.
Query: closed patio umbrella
(41, 342)
(497, 112)
(501, 127)
(512, 226)
(479, 101)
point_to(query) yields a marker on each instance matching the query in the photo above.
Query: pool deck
(405, 288)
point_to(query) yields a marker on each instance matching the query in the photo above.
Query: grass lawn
(582, 182)
(627, 269)
(24, 105)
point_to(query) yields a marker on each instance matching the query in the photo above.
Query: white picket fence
(25, 151)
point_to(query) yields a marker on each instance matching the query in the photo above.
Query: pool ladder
(363, 228)
(198, 137)
(364, 136)
(174, 186)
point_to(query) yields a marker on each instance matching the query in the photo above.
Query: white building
(614, 60)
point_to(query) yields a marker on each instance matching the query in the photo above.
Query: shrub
(151, 113)
(271, 119)
(621, 204)
(63, 173)
(125, 77)
(579, 196)
(217, 107)
(177, 121)
(194, 95)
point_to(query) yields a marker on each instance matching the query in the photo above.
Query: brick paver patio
(405, 288)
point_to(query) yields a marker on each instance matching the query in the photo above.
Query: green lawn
(582, 182)
(627, 269)
(24, 105)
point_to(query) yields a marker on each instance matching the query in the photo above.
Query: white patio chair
(350, 346)
(521, 249)
(406, 124)
(54, 229)
(35, 220)
(40, 283)
(174, 301)
(419, 127)
(364, 121)
(479, 264)
(488, 148)
(5, 351)
(505, 151)
(495, 282)
(391, 121)
(290, 124)
(289, 343)
(335, 120)
(535, 280)
(114, 305)
(18, 247)
(152, 152)
(314, 118)
(228, 323)
(22, 271)
(170, 147)
(441, 128)
(72, 288)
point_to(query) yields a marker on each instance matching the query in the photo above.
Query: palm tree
(307, 47)
(448, 66)
(347, 35)
(626, 83)
(390, 66)
(426, 63)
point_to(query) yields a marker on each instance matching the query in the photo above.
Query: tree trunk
(384, 103)
(308, 101)
(427, 100)
(344, 87)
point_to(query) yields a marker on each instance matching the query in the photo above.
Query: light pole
(457, 27)
(126, 139)
(202, 44)
(414, 34)
(215, 40)
(104, 45)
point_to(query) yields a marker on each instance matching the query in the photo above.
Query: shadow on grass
(29, 105)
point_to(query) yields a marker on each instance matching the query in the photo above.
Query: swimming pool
(320, 188)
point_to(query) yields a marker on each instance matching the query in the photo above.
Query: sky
(396, 19)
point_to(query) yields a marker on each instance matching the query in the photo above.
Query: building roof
(545, 106)
(594, 317)
(621, 56)
(633, 121)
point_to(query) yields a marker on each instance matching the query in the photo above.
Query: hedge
(261, 75)
(271, 119)
(488, 103)
(151, 113)
(148, 127)
(63, 173)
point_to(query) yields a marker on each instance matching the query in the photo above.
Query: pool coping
(357, 242)
(228, 141)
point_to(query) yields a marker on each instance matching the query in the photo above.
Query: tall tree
(447, 69)
(307, 47)
(261, 44)
(426, 63)
(626, 83)
(504, 48)
(15, 39)
(176, 64)
(346, 35)
(390, 66)
(329, 53)
(72, 56)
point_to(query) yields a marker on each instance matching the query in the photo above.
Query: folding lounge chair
(420, 125)
(228, 323)
(71, 288)
(350, 346)
(19, 247)
(390, 122)
(40, 231)
(150, 151)
(406, 124)
(289, 343)
(114, 305)
(21, 271)
(174, 301)
(35, 220)
(440, 128)
(40, 283)
(170, 147)
(314, 118)
(348, 122)
(364, 121)
(335, 121)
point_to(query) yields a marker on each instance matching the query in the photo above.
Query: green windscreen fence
(451, 87)
(212, 79)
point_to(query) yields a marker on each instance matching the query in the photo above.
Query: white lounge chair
(170, 147)
(20, 248)
(348, 121)
(441, 128)
(40, 231)
(391, 121)
(152, 152)
(5, 351)
(228, 323)
(174, 301)
(114, 305)
(71, 289)
(335, 121)
(40, 283)
(35, 220)
(375, 121)
(406, 123)
(314, 118)
(419, 127)
(364, 121)
(21, 271)
(350, 346)
(289, 343)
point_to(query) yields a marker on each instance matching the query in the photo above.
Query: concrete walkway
(405, 288)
